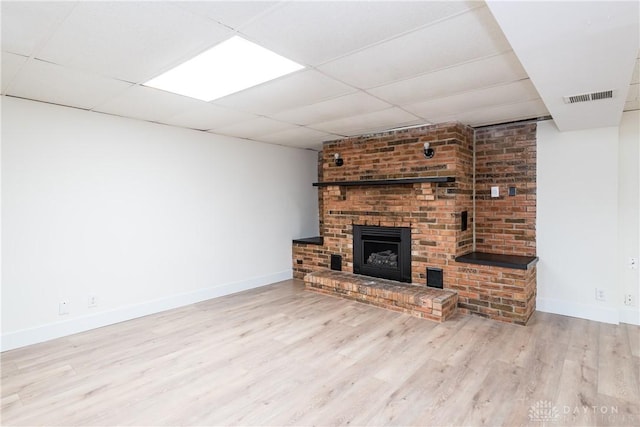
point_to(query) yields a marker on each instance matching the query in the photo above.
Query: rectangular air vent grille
(602, 95)
(594, 96)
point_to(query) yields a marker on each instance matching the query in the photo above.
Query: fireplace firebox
(383, 252)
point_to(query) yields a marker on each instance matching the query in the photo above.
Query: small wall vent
(594, 96)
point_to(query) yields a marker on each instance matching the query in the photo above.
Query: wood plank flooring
(279, 355)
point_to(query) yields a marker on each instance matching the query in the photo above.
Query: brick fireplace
(385, 181)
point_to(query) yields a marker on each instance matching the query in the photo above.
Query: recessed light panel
(231, 66)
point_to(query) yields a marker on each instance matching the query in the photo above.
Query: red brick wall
(506, 157)
(320, 199)
(398, 154)
(432, 211)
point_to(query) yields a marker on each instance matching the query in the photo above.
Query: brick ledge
(419, 301)
(517, 262)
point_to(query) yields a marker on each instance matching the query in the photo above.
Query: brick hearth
(418, 301)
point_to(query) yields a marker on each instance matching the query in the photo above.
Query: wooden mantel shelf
(398, 181)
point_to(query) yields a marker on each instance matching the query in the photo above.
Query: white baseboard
(582, 311)
(630, 316)
(51, 331)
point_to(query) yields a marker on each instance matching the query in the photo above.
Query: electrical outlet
(628, 299)
(63, 308)
(92, 301)
(600, 294)
(633, 263)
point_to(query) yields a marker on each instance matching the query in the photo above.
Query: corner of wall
(585, 221)
(628, 214)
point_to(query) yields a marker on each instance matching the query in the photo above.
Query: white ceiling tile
(10, 65)
(132, 41)
(295, 90)
(233, 14)
(207, 116)
(466, 37)
(352, 104)
(504, 94)
(569, 48)
(370, 122)
(503, 113)
(635, 77)
(632, 106)
(145, 103)
(327, 30)
(300, 137)
(254, 128)
(52, 83)
(634, 93)
(26, 25)
(503, 68)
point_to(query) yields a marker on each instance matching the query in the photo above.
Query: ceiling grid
(369, 66)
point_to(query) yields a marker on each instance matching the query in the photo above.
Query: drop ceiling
(369, 65)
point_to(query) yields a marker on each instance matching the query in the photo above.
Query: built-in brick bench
(500, 287)
(419, 301)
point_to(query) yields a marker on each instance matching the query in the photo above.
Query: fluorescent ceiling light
(228, 67)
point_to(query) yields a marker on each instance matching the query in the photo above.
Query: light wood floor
(279, 355)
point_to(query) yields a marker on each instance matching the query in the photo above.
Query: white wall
(629, 213)
(587, 199)
(146, 217)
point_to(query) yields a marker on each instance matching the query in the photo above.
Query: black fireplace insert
(383, 252)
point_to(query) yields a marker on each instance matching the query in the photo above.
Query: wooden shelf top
(517, 262)
(397, 181)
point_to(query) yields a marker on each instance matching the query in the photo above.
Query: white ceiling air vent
(594, 96)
